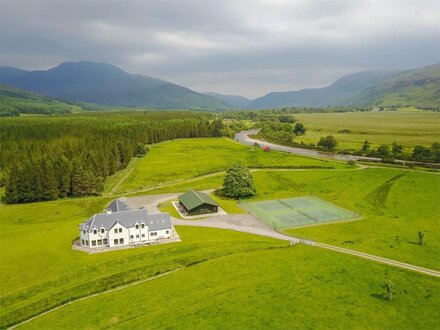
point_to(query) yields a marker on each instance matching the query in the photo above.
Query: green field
(297, 212)
(186, 158)
(394, 205)
(250, 281)
(42, 270)
(293, 287)
(408, 128)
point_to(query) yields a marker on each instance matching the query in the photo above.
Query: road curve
(243, 137)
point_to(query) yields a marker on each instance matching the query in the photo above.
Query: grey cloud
(241, 47)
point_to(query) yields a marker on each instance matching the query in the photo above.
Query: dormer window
(102, 230)
(142, 225)
(136, 226)
(95, 231)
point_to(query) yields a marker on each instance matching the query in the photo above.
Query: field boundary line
(95, 295)
(383, 260)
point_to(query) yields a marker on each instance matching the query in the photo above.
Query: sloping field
(297, 287)
(186, 158)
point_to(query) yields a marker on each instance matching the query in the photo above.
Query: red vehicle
(266, 149)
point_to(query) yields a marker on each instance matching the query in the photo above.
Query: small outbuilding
(196, 202)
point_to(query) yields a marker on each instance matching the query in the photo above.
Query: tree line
(45, 158)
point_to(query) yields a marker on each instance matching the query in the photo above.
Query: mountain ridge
(367, 88)
(103, 83)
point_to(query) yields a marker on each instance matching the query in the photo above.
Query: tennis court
(294, 212)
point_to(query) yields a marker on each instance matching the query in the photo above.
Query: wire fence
(294, 212)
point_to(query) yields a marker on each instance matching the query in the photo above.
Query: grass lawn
(39, 268)
(169, 207)
(293, 287)
(180, 159)
(408, 128)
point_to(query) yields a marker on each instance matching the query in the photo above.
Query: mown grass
(40, 270)
(180, 159)
(408, 128)
(294, 287)
(169, 207)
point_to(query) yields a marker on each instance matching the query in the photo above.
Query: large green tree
(329, 142)
(238, 182)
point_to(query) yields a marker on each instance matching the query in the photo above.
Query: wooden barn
(196, 202)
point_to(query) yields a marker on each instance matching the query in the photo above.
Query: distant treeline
(270, 114)
(44, 158)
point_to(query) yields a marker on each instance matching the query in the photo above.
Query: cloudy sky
(234, 47)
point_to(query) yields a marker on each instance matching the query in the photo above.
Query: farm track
(382, 260)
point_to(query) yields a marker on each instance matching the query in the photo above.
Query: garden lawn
(295, 287)
(181, 159)
(408, 128)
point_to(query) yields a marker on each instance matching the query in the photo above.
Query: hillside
(106, 84)
(235, 101)
(15, 101)
(417, 87)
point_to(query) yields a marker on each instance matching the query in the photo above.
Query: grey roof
(127, 219)
(117, 206)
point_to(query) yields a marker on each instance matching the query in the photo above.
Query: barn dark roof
(193, 199)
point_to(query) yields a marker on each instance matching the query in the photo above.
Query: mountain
(416, 87)
(15, 101)
(106, 84)
(235, 101)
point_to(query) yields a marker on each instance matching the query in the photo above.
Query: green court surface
(294, 212)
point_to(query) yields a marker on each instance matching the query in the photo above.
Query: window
(82, 242)
(120, 230)
(102, 230)
(137, 236)
(131, 236)
(84, 232)
(87, 242)
(153, 233)
(116, 230)
(137, 226)
(142, 225)
(99, 242)
(105, 241)
(93, 243)
(115, 241)
(143, 235)
(95, 231)
(121, 241)
(168, 232)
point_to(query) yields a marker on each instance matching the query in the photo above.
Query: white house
(121, 225)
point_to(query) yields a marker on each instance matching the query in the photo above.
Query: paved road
(245, 223)
(243, 137)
